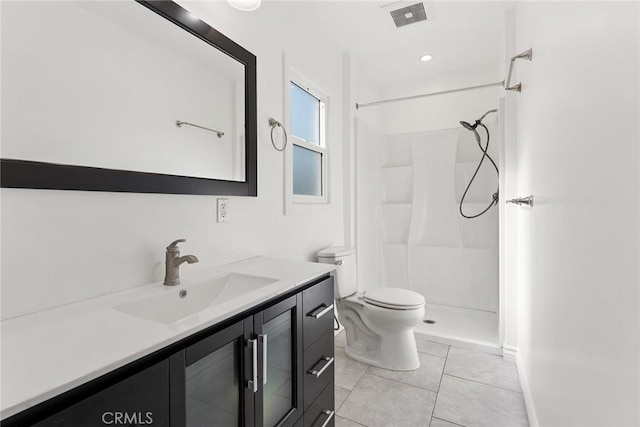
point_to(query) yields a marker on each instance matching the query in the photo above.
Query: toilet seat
(394, 298)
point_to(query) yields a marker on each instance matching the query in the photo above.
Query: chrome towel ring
(276, 124)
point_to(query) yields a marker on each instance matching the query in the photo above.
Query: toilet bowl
(378, 322)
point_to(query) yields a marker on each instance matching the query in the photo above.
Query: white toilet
(378, 322)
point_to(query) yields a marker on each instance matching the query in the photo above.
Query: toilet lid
(394, 298)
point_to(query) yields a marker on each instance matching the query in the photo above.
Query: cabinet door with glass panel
(279, 333)
(248, 374)
(214, 381)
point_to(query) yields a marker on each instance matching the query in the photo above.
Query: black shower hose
(494, 197)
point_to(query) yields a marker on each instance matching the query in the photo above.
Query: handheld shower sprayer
(472, 128)
(467, 126)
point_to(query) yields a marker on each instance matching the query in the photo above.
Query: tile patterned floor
(453, 387)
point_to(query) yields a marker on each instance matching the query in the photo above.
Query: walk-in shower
(427, 189)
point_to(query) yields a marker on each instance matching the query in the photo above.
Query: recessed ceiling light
(245, 5)
(425, 58)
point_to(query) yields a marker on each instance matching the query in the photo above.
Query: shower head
(468, 126)
(473, 127)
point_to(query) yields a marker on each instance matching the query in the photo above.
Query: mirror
(124, 96)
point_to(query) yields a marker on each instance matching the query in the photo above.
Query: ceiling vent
(409, 15)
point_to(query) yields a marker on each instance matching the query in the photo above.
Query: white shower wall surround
(427, 246)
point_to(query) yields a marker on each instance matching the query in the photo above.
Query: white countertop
(47, 353)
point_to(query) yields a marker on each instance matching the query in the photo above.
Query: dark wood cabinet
(268, 366)
(141, 399)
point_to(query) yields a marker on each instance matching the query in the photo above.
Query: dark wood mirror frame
(16, 173)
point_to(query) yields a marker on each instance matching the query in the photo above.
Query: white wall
(509, 215)
(368, 139)
(64, 246)
(578, 133)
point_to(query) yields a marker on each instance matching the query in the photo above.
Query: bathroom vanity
(245, 344)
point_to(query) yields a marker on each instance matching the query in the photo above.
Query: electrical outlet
(223, 210)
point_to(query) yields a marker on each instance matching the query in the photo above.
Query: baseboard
(526, 391)
(509, 353)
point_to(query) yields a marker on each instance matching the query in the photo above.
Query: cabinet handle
(263, 339)
(318, 372)
(253, 382)
(324, 309)
(330, 415)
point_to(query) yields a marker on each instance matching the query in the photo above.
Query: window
(308, 160)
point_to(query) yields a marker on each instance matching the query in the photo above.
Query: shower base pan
(461, 327)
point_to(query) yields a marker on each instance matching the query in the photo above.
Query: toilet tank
(345, 275)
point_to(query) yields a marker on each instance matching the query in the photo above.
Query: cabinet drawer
(322, 412)
(317, 305)
(318, 367)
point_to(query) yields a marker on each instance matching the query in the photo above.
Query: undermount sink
(190, 298)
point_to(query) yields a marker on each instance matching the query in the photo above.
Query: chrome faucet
(173, 261)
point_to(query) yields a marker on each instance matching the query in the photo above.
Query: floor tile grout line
(435, 402)
(432, 354)
(343, 400)
(438, 343)
(401, 382)
(361, 375)
(450, 422)
(360, 379)
(347, 418)
(480, 382)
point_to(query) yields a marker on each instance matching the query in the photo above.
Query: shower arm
(486, 114)
(527, 54)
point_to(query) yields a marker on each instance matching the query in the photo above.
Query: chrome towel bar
(180, 123)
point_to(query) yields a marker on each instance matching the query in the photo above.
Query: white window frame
(295, 203)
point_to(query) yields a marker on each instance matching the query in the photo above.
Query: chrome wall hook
(522, 201)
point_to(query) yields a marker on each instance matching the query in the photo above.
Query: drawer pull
(329, 414)
(253, 382)
(320, 311)
(317, 372)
